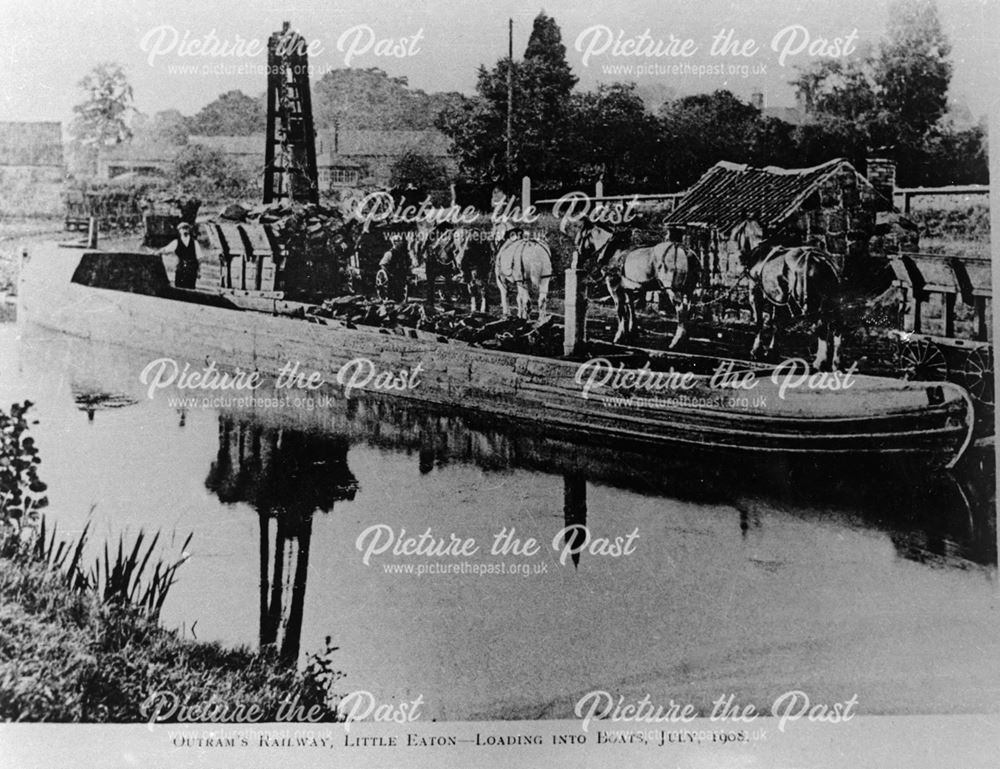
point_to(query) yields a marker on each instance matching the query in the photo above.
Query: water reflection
(745, 575)
(286, 476)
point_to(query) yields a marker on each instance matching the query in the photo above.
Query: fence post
(599, 189)
(575, 311)
(525, 193)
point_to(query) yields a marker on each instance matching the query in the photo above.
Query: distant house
(32, 168)
(831, 206)
(344, 158)
(247, 151)
(364, 158)
(145, 158)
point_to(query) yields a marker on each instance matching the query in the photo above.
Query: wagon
(935, 341)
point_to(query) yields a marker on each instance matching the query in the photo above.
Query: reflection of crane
(286, 475)
(290, 153)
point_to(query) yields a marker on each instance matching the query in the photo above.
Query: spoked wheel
(923, 361)
(977, 375)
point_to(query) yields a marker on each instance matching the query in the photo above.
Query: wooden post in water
(575, 511)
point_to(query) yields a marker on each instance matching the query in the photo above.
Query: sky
(438, 44)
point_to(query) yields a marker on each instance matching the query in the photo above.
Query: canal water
(702, 578)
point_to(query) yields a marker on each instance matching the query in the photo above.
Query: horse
(802, 279)
(627, 271)
(435, 246)
(522, 261)
(474, 260)
(392, 281)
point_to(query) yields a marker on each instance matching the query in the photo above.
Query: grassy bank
(86, 645)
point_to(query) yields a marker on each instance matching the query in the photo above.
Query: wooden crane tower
(290, 154)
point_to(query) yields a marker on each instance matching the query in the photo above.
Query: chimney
(757, 99)
(882, 175)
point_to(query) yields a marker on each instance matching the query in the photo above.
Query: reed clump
(84, 643)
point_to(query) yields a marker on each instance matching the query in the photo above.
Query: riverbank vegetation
(85, 643)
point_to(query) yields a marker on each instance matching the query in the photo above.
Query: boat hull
(874, 416)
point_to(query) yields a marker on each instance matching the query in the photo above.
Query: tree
(370, 99)
(617, 139)
(420, 170)
(166, 127)
(912, 73)
(231, 114)
(541, 117)
(102, 118)
(893, 98)
(702, 129)
(206, 173)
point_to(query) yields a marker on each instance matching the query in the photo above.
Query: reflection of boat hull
(876, 417)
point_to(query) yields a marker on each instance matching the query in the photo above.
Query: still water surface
(745, 579)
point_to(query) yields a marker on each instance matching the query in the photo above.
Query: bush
(207, 173)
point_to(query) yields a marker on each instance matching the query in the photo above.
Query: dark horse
(627, 271)
(802, 279)
(472, 249)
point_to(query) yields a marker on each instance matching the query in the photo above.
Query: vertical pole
(92, 229)
(599, 189)
(510, 101)
(525, 193)
(575, 309)
(982, 328)
(949, 315)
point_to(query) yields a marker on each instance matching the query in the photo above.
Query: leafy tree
(955, 156)
(231, 114)
(703, 129)
(840, 88)
(541, 117)
(166, 127)
(617, 139)
(894, 98)
(371, 99)
(102, 118)
(420, 170)
(912, 73)
(169, 127)
(208, 174)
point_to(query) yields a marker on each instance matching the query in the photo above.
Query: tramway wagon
(945, 320)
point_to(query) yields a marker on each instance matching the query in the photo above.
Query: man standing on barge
(185, 247)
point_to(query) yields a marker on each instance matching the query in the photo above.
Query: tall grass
(80, 644)
(122, 581)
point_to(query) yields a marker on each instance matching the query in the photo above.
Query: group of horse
(801, 281)
(472, 256)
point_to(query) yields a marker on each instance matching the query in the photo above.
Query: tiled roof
(233, 145)
(31, 144)
(350, 143)
(729, 192)
(372, 143)
(139, 152)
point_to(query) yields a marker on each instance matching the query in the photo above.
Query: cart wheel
(922, 360)
(977, 375)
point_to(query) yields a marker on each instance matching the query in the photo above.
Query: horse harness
(516, 274)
